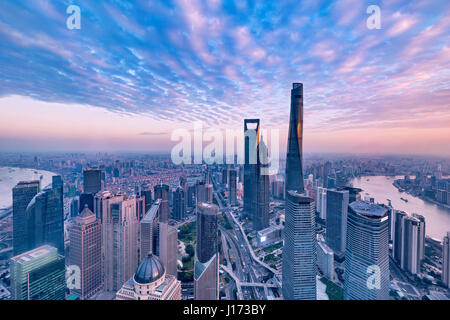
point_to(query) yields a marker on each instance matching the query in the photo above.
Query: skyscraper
(179, 204)
(38, 274)
(232, 187)
(22, 194)
(321, 202)
(86, 252)
(147, 193)
(294, 157)
(421, 236)
(397, 225)
(206, 269)
(92, 181)
(45, 217)
(336, 221)
(251, 136)
(149, 226)
(260, 205)
(367, 253)
(299, 250)
(162, 192)
(120, 234)
(168, 247)
(410, 254)
(446, 260)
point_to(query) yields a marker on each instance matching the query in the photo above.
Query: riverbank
(427, 199)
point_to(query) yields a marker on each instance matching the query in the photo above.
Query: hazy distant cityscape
(136, 226)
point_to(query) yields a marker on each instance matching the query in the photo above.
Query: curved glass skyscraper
(367, 252)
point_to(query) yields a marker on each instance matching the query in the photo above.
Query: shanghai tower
(294, 169)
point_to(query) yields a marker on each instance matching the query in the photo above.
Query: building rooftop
(152, 212)
(368, 209)
(34, 254)
(150, 270)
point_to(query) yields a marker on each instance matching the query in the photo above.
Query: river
(10, 176)
(437, 219)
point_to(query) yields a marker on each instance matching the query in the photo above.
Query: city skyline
(133, 71)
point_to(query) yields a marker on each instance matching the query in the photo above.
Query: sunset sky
(137, 70)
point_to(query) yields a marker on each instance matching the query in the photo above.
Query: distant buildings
(367, 253)
(150, 282)
(179, 204)
(446, 260)
(45, 217)
(22, 194)
(38, 274)
(86, 252)
(299, 251)
(206, 269)
(92, 181)
(336, 220)
(294, 157)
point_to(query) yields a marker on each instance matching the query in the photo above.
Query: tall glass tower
(299, 250)
(251, 136)
(206, 268)
(22, 194)
(367, 252)
(294, 169)
(45, 217)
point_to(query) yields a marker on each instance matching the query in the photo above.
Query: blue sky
(222, 61)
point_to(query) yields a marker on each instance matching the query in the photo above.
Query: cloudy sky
(137, 70)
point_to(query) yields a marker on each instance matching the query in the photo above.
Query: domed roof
(150, 270)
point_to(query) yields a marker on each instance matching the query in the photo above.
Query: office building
(45, 217)
(206, 268)
(261, 197)
(149, 231)
(232, 187)
(321, 202)
(86, 252)
(251, 136)
(162, 192)
(367, 252)
(336, 222)
(22, 194)
(38, 274)
(120, 245)
(150, 282)
(168, 247)
(299, 250)
(410, 251)
(397, 225)
(294, 157)
(147, 193)
(325, 260)
(92, 181)
(179, 204)
(270, 235)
